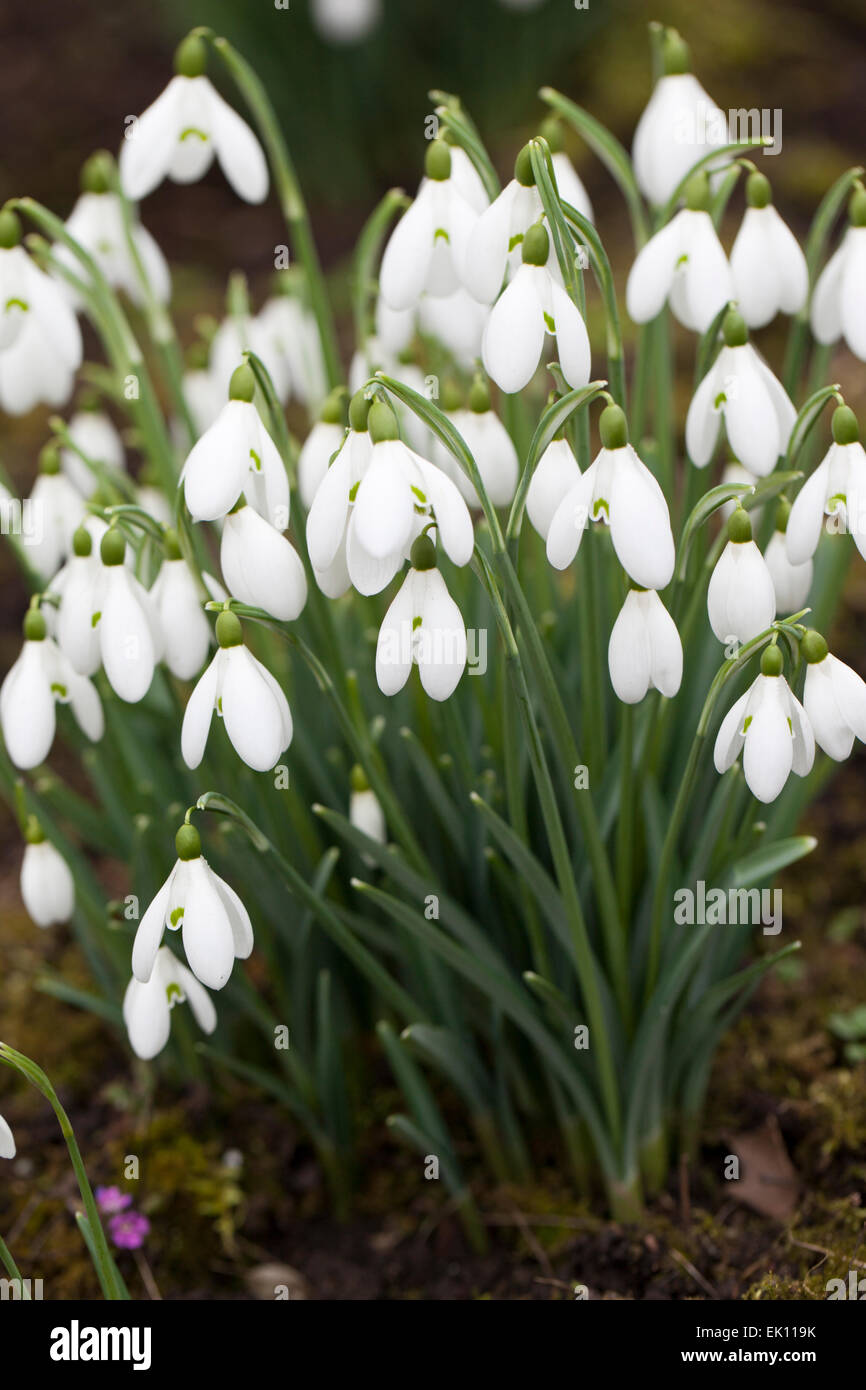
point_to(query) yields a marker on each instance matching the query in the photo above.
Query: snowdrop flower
(261, 566)
(685, 264)
(7, 1140)
(837, 489)
(81, 603)
(644, 649)
(490, 444)
(741, 599)
(377, 511)
(427, 249)
(556, 473)
(495, 242)
(619, 490)
(290, 341)
(345, 21)
(40, 678)
(532, 305)
(457, 321)
(40, 341)
(365, 810)
(238, 333)
(834, 698)
(838, 307)
(320, 446)
(245, 696)
(769, 269)
(236, 455)
(47, 886)
(680, 125)
(180, 616)
(179, 134)
(96, 223)
(130, 640)
(771, 728)
(147, 1007)
(757, 411)
(58, 507)
(331, 508)
(791, 582)
(422, 625)
(214, 922)
(92, 434)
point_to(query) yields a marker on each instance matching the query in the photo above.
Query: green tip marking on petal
(747, 722)
(17, 304)
(416, 623)
(353, 490)
(256, 460)
(59, 689)
(721, 399)
(174, 994)
(515, 241)
(549, 321)
(441, 232)
(192, 132)
(420, 495)
(95, 619)
(176, 916)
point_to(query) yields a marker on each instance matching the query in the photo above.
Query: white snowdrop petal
(261, 567)
(750, 418)
(555, 474)
(199, 713)
(239, 918)
(791, 262)
(803, 737)
(216, 469)
(253, 719)
(825, 313)
(148, 147)
(240, 155)
(666, 648)
(326, 522)
(125, 638)
(628, 652)
(27, 709)
(207, 933)
(703, 420)
(729, 739)
(7, 1140)
(150, 932)
(807, 514)
(850, 693)
(147, 1017)
(639, 523)
(831, 730)
(652, 273)
(514, 335)
(384, 505)
(47, 886)
(768, 755)
(407, 256)
(369, 574)
(440, 640)
(852, 292)
(200, 1002)
(453, 521)
(394, 645)
(569, 521)
(487, 250)
(572, 339)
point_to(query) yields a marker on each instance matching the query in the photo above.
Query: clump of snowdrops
(623, 681)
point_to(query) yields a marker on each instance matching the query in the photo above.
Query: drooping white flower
(242, 332)
(457, 320)
(7, 1140)
(685, 264)
(422, 625)
(619, 490)
(556, 473)
(290, 337)
(214, 923)
(147, 1007)
(92, 434)
(837, 489)
(261, 566)
(245, 696)
(96, 223)
(365, 809)
(40, 341)
(331, 508)
(680, 125)
(740, 388)
(40, 678)
(130, 639)
(345, 21)
(426, 251)
(741, 599)
(80, 585)
(644, 649)
(236, 455)
(47, 886)
(771, 728)
(791, 582)
(57, 508)
(179, 134)
(320, 446)
(490, 445)
(531, 306)
(382, 507)
(768, 266)
(838, 308)
(180, 616)
(834, 698)
(494, 246)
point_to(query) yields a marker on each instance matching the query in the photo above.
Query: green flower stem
(625, 821)
(519, 823)
(289, 193)
(109, 1276)
(586, 964)
(395, 995)
(12, 1269)
(723, 675)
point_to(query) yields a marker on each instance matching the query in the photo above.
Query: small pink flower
(129, 1230)
(111, 1199)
